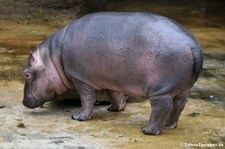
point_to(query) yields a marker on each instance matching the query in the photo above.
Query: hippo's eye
(27, 75)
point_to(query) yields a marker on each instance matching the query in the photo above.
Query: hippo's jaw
(32, 103)
(29, 101)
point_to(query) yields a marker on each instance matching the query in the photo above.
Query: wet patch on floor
(211, 85)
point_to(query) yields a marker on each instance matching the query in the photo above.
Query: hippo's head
(42, 81)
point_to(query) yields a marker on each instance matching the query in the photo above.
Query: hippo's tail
(198, 61)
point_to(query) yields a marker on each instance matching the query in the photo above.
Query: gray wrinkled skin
(139, 54)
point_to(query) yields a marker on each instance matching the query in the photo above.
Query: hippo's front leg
(87, 95)
(161, 108)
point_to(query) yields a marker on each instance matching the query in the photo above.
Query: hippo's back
(134, 53)
(110, 25)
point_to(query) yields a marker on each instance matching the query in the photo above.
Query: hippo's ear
(36, 61)
(31, 57)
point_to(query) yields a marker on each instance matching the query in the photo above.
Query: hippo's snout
(28, 100)
(29, 103)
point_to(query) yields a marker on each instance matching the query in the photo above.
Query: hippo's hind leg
(118, 101)
(87, 95)
(161, 108)
(179, 102)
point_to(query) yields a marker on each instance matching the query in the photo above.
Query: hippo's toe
(151, 131)
(171, 126)
(112, 108)
(81, 116)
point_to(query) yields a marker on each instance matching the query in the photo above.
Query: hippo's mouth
(32, 103)
(29, 100)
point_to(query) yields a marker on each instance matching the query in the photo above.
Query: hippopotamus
(137, 54)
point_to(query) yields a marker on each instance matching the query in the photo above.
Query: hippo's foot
(81, 116)
(118, 101)
(171, 126)
(151, 130)
(113, 108)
